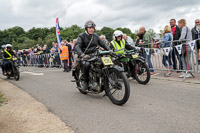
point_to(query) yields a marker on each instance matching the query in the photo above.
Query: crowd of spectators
(42, 56)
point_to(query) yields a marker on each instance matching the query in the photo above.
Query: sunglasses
(197, 22)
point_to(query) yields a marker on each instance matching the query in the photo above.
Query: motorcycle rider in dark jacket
(86, 45)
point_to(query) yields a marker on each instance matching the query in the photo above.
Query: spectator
(64, 56)
(176, 32)
(103, 39)
(139, 38)
(129, 40)
(196, 35)
(24, 54)
(147, 44)
(186, 35)
(70, 54)
(52, 58)
(166, 42)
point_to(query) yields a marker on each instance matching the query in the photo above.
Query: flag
(156, 50)
(192, 44)
(179, 47)
(167, 50)
(147, 51)
(58, 32)
(138, 48)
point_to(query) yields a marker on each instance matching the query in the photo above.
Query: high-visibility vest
(9, 55)
(117, 48)
(65, 53)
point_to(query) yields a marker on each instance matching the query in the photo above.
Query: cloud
(153, 14)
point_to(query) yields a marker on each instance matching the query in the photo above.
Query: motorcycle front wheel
(141, 73)
(17, 74)
(117, 87)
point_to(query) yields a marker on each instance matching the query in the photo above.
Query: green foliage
(21, 39)
(108, 32)
(1, 99)
(161, 33)
(152, 33)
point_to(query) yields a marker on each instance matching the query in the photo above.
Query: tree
(152, 33)
(49, 39)
(108, 32)
(161, 33)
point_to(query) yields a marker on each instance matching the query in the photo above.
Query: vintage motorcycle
(14, 69)
(104, 76)
(135, 66)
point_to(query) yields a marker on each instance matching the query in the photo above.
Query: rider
(119, 44)
(7, 55)
(86, 45)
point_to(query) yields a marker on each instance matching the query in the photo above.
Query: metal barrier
(180, 57)
(43, 60)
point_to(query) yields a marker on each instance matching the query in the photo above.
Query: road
(159, 107)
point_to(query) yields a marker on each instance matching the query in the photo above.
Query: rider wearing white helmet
(119, 44)
(7, 55)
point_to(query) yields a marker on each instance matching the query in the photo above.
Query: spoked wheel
(17, 74)
(117, 87)
(78, 78)
(141, 73)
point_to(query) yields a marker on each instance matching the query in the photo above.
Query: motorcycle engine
(93, 85)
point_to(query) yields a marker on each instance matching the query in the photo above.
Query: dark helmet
(90, 24)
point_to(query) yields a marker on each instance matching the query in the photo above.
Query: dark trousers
(66, 68)
(85, 66)
(175, 55)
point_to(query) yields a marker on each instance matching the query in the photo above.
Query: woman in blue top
(166, 42)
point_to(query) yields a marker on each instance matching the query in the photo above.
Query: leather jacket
(84, 40)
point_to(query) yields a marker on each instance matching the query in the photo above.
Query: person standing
(166, 42)
(196, 35)
(146, 43)
(64, 56)
(186, 36)
(176, 32)
(129, 40)
(70, 54)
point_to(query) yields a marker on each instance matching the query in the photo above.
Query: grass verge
(1, 99)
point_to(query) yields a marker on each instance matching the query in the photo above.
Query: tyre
(17, 74)
(117, 87)
(79, 80)
(141, 73)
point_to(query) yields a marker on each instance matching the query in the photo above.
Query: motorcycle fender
(140, 59)
(118, 68)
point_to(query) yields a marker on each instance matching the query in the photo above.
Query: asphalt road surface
(159, 107)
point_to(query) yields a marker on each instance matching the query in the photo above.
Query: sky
(154, 14)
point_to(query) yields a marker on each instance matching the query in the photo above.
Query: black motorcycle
(13, 70)
(104, 76)
(135, 66)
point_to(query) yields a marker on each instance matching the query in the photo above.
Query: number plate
(14, 58)
(134, 56)
(107, 61)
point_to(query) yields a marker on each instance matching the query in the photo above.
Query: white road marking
(32, 73)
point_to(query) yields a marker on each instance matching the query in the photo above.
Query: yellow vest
(117, 48)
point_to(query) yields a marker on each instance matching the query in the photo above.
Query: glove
(86, 57)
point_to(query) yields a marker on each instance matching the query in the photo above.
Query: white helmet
(118, 33)
(8, 45)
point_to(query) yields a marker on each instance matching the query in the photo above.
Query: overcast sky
(153, 14)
